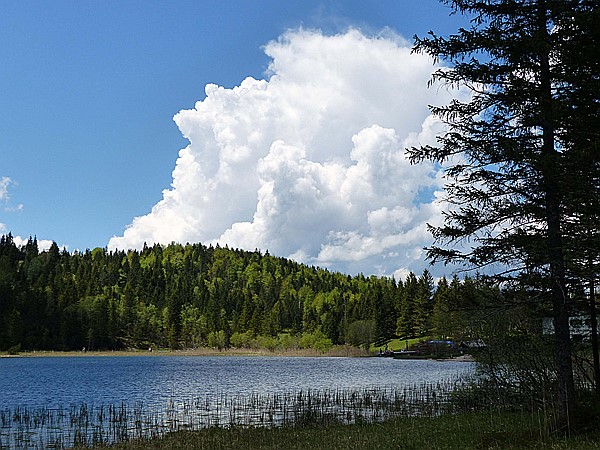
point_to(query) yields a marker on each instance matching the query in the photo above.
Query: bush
(316, 340)
(287, 341)
(216, 339)
(14, 350)
(266, 342)
(243, 340)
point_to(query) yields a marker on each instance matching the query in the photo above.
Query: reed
(87, 425)
(471, 431)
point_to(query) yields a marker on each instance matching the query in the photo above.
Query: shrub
(316, 340)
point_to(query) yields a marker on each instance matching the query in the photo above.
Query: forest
(189, 296)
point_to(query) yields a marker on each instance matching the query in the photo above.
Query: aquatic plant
(87, 425)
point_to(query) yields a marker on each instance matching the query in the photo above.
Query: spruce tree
(512, 149)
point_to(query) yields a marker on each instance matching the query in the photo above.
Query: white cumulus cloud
(43, 244)
(309, 163)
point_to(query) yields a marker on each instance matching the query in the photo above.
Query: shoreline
(336, 352)
(198, 352)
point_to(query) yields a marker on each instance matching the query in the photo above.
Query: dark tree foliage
(522, 152)
(190, 296)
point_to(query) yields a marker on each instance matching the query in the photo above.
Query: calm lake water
(86, 401)
(155, 380)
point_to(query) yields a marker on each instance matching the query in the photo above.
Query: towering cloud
(309, 163)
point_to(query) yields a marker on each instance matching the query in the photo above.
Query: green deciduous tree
(361, 333)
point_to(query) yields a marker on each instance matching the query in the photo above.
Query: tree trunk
(558, 290)
(594, 324)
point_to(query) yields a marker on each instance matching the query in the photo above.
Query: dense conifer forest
(184, 296)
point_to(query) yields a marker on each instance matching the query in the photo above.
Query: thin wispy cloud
(309, 162)
(4, 184)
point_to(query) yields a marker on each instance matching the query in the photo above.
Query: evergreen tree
(423, 304)
(385, 313)
(441, 322)
(513, 144)
(406, 316)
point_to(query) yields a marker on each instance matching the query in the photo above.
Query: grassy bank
(397, 344)
(466, 431)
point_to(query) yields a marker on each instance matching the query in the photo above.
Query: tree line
(183, 296)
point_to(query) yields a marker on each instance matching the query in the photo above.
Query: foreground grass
(467, 431)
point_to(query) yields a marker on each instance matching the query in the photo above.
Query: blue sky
(88, 91)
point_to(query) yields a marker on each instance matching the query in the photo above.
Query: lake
(67, 401)
(58, 381)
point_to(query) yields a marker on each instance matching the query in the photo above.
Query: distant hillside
(191, 296)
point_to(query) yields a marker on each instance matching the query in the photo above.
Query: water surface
(154, 380)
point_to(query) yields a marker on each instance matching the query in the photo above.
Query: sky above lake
(266, 124)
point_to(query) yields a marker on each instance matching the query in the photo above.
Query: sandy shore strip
(203, 351)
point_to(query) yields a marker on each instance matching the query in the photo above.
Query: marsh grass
(465, 431)
(88, 424)
(261, 414)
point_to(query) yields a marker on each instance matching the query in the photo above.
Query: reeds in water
(87, 425)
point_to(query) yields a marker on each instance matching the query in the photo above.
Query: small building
(580, 326)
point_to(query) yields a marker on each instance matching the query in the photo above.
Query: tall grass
(473, 431)
(87, 425)
(91, 425)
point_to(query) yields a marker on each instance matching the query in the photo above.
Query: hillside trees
(192, 296)
(518, 191)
